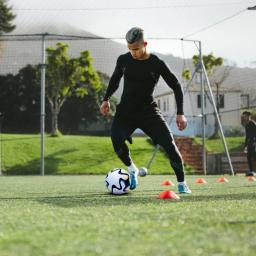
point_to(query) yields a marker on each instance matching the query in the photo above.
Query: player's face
(137, 49)
(245, 120)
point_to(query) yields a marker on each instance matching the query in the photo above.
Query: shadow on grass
(52, 164)
(228, 197)
(24, 138)
(32, 167)
(96, 161)
(238, 148)
(242, 222)
(105, 199)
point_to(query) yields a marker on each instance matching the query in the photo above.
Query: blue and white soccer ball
(117, 181)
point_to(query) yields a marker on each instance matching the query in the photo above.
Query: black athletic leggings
(250, 156)
(152, 124)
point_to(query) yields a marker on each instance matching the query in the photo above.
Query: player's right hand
(245, 150)
(181, 122)
(104, 108)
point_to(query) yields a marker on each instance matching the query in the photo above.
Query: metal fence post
(42, 128)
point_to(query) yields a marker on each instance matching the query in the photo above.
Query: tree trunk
(56, 105)
(216, 125)
(54, 122)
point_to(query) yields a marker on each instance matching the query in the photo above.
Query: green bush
(235, 132)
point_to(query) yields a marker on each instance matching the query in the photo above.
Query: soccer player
(250, 140)
(137, 109)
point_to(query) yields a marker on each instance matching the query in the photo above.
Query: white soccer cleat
(133, 172)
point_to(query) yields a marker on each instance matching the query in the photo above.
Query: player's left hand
(181, 122)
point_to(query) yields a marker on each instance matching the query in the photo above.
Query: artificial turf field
(75, 215)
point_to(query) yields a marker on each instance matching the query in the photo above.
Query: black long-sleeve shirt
(250, 132)
(140, 79)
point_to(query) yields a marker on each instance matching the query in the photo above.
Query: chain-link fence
(21, 60)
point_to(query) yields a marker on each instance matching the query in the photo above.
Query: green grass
(74, 215)
(234, 144)
(74, 155)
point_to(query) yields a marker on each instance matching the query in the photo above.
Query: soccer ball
(117, 181)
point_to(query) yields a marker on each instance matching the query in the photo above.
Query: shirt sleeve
(114, 80)
(250, 132)
(174, 84)
(246, 136)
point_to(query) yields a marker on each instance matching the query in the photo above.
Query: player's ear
(145, 43)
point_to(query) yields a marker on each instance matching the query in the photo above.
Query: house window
(164, 106)
(245, 101)
(168, 104)
(221, 101)
(159, 103)
(197, 78)
(199, 101)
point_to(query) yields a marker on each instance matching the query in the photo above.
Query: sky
(233, 38)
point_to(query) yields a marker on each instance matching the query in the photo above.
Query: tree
(217, 79)
(20, 104)
(186, 74)
(77, 112)
(6, 17)
(85, 111)
(20, 100)
(66, 77)
(253, 114)
(211, 63)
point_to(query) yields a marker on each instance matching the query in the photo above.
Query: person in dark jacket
(141, 71)
(250, 141)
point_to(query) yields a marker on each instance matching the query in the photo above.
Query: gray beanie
(134, 34)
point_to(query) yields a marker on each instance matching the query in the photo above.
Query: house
(229, 105)
(243, 79)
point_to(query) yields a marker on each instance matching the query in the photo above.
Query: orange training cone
(251, 178)
(167, 183)
(168, 194)
(201, 180)
(222, 179)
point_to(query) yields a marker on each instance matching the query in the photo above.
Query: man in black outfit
(137, 108)
(250, 140)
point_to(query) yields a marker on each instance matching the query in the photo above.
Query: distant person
(250, 141)
(137, 109)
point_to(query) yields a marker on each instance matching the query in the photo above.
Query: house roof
(238, 80)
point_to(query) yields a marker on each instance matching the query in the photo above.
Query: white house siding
(229, 120)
